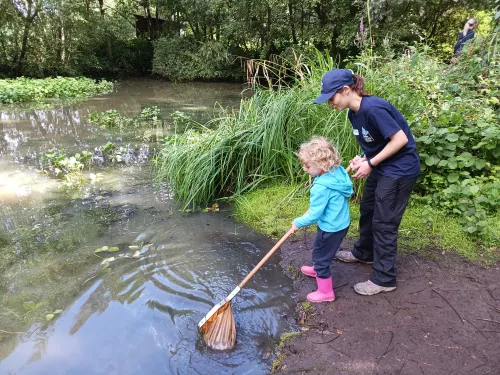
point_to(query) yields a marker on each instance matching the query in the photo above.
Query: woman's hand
(363, 170)
(356, 162)
(294, 227)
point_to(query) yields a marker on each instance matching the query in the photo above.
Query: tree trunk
(150, 26)
(268, 31)
(101, 7)
(292, 22)
(108, 37)
(302, 22)
(217, 26)
(157, 23)
(335, 50)
(63, 44)
(28, 22)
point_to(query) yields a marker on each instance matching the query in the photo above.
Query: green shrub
(184, 58)
(454, 113)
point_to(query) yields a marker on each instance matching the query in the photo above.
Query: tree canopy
(98, 37)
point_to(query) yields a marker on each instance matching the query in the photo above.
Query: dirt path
(444, 318)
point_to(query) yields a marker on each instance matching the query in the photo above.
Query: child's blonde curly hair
(320, 152)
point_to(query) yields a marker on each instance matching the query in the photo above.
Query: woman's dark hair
(359, 85)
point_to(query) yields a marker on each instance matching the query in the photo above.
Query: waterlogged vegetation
(70, 170)
(111, 119)
(452, 110)
(75, 171)
(35, 90)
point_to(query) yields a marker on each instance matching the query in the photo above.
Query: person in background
(464, 36)
(329, 208)
(390, 163)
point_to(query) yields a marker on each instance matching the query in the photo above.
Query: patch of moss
(303, 312)
(307, 307)
(292, 271)
(284, 339)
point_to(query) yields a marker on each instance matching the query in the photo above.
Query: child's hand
(294, 227)
(364, 170)
(356, 162)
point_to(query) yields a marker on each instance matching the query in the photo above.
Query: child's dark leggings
(325, 248)
(382, 206)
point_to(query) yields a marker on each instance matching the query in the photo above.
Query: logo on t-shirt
(366, 135)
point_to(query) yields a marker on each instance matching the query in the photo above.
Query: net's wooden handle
(264, 260)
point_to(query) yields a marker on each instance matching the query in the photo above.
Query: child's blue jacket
(329, 206)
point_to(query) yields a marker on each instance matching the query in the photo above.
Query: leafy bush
(121, 58)
(184, 58)
(28, 89)
(454, 114)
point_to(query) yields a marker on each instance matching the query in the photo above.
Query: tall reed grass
(257, 144)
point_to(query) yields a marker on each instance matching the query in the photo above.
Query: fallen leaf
(49, 317)
(113, 249)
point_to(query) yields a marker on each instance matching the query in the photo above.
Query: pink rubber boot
(308, 271)
(324, 293)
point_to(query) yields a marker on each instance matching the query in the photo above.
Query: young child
(328, 207)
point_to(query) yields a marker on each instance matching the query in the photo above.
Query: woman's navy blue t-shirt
(373, 124)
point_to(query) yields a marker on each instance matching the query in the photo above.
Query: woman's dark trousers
(382, 206)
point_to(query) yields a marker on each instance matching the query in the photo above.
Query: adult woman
(464, 36)
(392, 165)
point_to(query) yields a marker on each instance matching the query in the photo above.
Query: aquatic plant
(147, 126)
(33, 90)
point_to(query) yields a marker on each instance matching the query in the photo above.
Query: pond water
(65, 309)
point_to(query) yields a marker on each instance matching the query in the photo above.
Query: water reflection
(138, 314)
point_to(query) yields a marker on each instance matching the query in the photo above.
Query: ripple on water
(139, 313)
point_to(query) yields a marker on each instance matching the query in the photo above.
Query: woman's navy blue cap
(332, 82)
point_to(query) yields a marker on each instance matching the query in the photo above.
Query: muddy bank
(444, 318)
